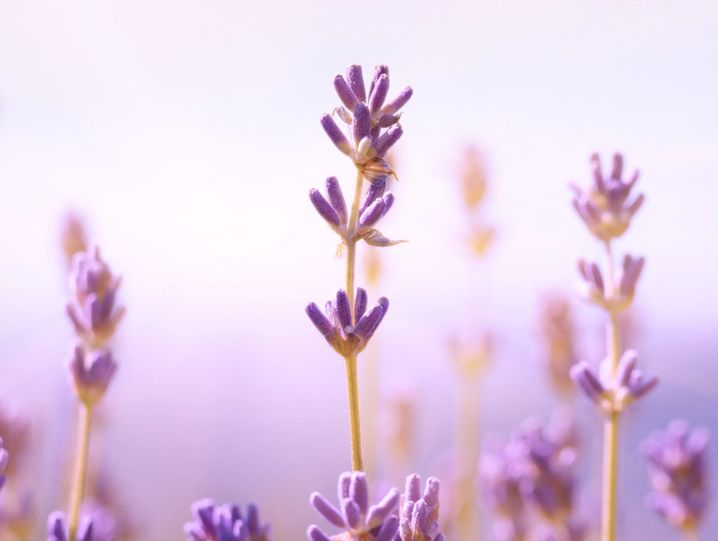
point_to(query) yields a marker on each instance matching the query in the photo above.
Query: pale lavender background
(188, 133)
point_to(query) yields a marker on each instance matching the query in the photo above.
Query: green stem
(610, 427)
(81, 466)
(351, 360)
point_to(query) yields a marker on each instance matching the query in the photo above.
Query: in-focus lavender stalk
(607, 212)
(94, 315)
(677, 465)
(373, 128)
(225, 523)
(358, 520)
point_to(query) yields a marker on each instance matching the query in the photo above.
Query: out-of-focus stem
(610, 427)
(353, 396)
(81, 464)
(690, 535)
(351, 360)
(468, 442)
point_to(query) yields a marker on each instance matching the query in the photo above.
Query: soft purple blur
(188, 136)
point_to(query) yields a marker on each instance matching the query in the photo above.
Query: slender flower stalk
(373, 125)
(94, 315)
(606, 210)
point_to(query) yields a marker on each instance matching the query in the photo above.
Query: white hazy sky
(188, 134)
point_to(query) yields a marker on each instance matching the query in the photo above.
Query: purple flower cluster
(4, 457)
(612, 297)
(604, 207)
(348, 333)
(373, 122)
(613, 394)
(91, 373)
(419, 518)
(677, 464)
(355, 517)
(534, 471)
(225, 523)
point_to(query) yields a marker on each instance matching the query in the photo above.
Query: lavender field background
(188, 135)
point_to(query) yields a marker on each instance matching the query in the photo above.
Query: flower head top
(225, 523)
(373, 122)
(605, 206)
(558, 333)
(333, 209)
(358, 520)
(57, 529)
(92, 309)
(612, 297)
(613, 394)
(91, 373)
(419, 520)
(348, 333)
(677, 463)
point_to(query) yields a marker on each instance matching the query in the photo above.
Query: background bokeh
(187, 135)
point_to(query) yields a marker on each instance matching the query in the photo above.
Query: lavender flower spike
(677, 465)
(604, 207)
(91, 373)
(225, 523)
(92, 309)
(354, 516)
(348, 337)
(57, 528)
(613, 395)
(419, 519)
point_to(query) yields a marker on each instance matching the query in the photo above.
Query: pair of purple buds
(333, 209)
(373, 121)
(613, 395)
(346, 334)
(608, 296)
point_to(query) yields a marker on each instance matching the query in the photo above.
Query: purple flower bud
(630, 273)
(342, 310)
(372, 214)
(419, 519)
(360, 304)
(225, 523)
(368, 324)
(378, 94)
(320, 321)
(677, 465)
(345, 93)
(356, 518)
(91, 373)
(336, 198)
(324, 209)
(397, 103)
(356, 81)
(584, 377)
(4, 457)
(336, 135)
(361, 125)
(57, 528)
(386, 140)
(379, 70)
(375, 191)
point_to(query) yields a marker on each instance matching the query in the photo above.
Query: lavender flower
(613, 395)
(677, 464)
(373, 121)
(612, 297)
(15, 430)
(225, 523)
(91, 373)
(419, 519)
(604, 207)
(558, 335)
(4, 457)
(358, 520)
(346, 334)
(92, 309)
(105, 526)
(57, 528)
(73, 236)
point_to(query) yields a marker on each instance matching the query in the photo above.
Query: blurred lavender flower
(4, 457)
(358, 520)
(373, 122)
(500, 475)
(92, 309)
(677, 464)
(612, 297)
(419, 519)
(91, 373)
(558, 334)
(73, 236)
(105, 526)
(57, 528)
(225, 523)
(604, 207)
(346, 334)
(15, 431)
(613, 395)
